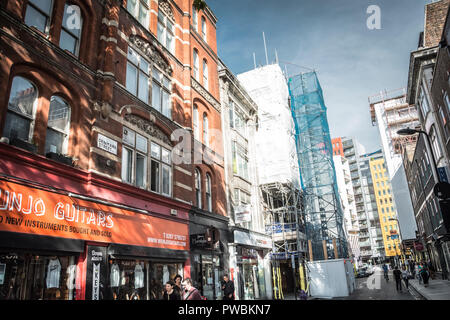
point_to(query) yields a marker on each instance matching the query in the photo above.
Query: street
(383, 291)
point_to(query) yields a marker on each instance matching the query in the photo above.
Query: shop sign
(199, 241)
(242, 213)
(96, 273)
(28, 210)
(252, 239)
(418, 246)
(107, 144)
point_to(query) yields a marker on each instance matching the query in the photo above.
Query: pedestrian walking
(405, 275)
(431, 269)
(170, 293)
(412, 268)
(190, 293)
(177, 287)
(228, 288)
(385, 271)
(419, 272)
(398, 278)
(425, 274)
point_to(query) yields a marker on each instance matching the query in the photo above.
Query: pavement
(377, 288)
(437, 289)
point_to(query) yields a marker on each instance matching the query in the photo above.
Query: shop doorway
(207, 275)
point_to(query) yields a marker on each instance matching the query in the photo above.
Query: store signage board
(442, 174)
(107, 144)
(96, 278)
(29, 210)
(252, 239)
(242, 213)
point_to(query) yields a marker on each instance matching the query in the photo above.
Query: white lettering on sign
(107, 144)
(96, 282)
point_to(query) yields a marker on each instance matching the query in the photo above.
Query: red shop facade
(70, 235)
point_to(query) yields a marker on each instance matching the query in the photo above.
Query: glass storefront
(207, 275)
(251, 274)
(32, 276)
(140, 279)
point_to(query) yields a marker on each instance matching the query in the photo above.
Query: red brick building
(338, 150)
(101, 178)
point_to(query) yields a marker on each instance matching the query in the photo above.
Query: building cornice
(418, 59)
(237, 90)
(205, 94)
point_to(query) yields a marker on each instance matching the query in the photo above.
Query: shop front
(208, 253)
(250, 265)
(56, 245)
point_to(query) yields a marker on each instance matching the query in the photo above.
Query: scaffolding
(395, 114)
(323, 212)
(284, 220)
(285, 223)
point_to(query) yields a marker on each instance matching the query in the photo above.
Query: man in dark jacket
(228, 288)
(398, 278)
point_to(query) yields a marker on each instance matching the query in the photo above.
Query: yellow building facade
(386, 207)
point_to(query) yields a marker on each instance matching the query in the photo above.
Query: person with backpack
(425, 274)
(190, 293)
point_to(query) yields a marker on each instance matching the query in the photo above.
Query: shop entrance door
(211, 277)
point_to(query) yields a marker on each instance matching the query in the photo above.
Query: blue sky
(331, 36)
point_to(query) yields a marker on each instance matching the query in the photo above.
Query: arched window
(204, 28)
(195, 123)
(195, 18)
(21, 110)
(208, 192)
(196, 66)
(72, 26)
(38, 14)
(198, 189)
(205, 74)
(205, 130)
(58, 126)
(166, 30)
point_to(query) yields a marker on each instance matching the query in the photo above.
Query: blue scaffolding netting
(322, 205)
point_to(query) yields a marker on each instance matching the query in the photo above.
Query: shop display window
(28, 276)
(207, 274)
(140, 279)
(251, 274)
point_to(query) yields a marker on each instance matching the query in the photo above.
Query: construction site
(284, 221)
(279, 177)
(390, 111)
(322, 206)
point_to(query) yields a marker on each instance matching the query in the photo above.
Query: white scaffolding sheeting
(276, 150)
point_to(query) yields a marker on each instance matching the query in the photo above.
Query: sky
(332, 37)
